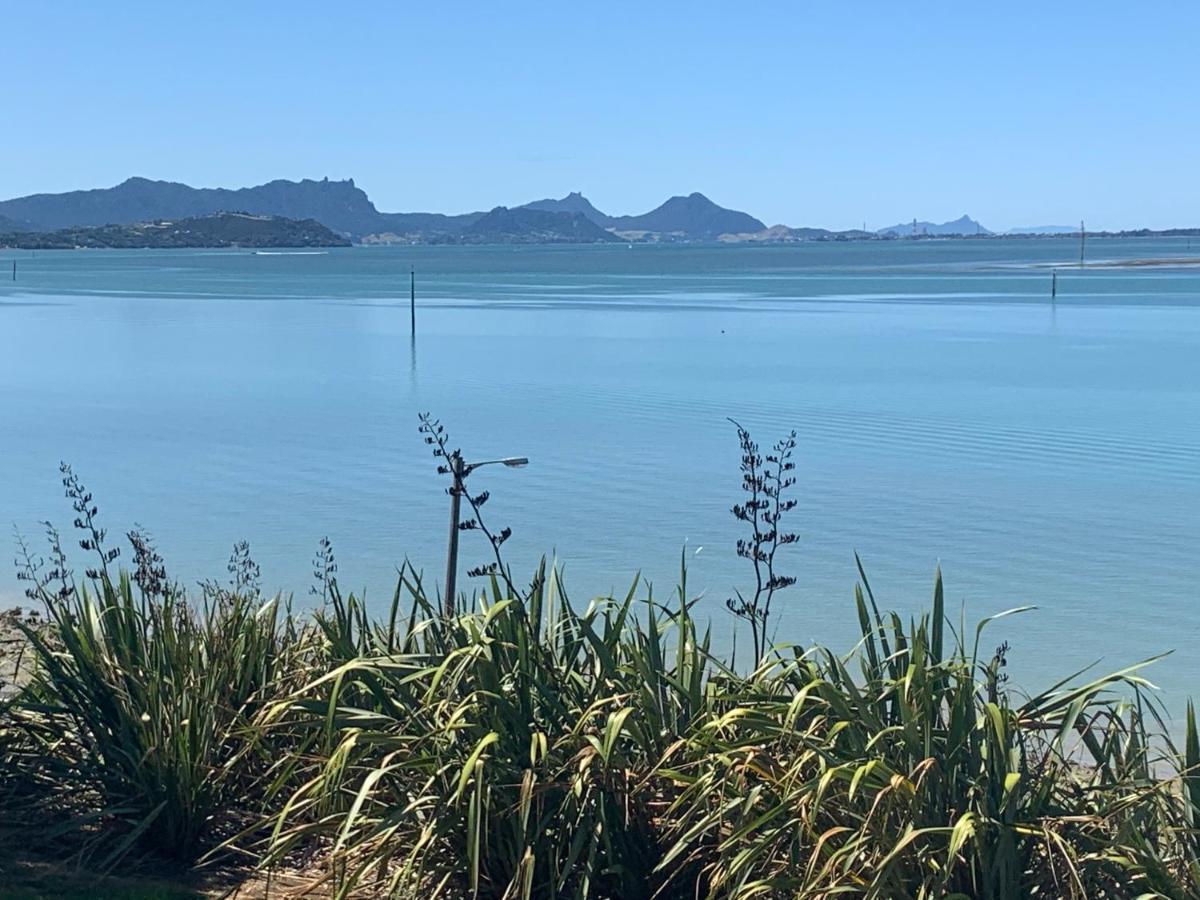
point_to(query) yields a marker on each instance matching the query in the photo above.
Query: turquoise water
(947, 412)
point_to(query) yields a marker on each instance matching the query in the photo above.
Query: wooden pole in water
(1053, 285)
(412, 299)
(14, 270)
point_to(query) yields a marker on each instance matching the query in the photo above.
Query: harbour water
(1043, 454)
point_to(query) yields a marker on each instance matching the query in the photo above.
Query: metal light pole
(459, 470)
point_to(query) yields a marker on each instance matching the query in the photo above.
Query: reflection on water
(412, 364)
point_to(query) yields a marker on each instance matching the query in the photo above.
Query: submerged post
(14, 270)
(1053, 285)
(412, 299)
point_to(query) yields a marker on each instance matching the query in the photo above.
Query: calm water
(947, 412)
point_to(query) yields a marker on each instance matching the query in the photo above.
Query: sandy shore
(1175, 262)
(1143, 263)
(15, 658)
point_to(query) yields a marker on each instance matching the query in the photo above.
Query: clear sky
(832, 114)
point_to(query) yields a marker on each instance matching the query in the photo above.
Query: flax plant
(920, 776)
(131, 726)
(509, 751)
(522, 745)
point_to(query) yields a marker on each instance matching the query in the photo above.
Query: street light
(460, 469)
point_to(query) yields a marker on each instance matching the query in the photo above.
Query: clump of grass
(133, 723)
(501, 752)
(920, 776)
(529, 749)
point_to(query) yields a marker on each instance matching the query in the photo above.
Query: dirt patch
(30, 873)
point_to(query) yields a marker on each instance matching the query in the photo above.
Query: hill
(964, 225)
(574, 202)
(417, 227)
(339, 205)
(8, 225)
(220, 230)
(523, 225)
(693, 217)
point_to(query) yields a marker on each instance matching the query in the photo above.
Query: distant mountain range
(963, 225)
(345, 208)
(219, 230)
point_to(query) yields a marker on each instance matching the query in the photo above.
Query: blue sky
(804, 113)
